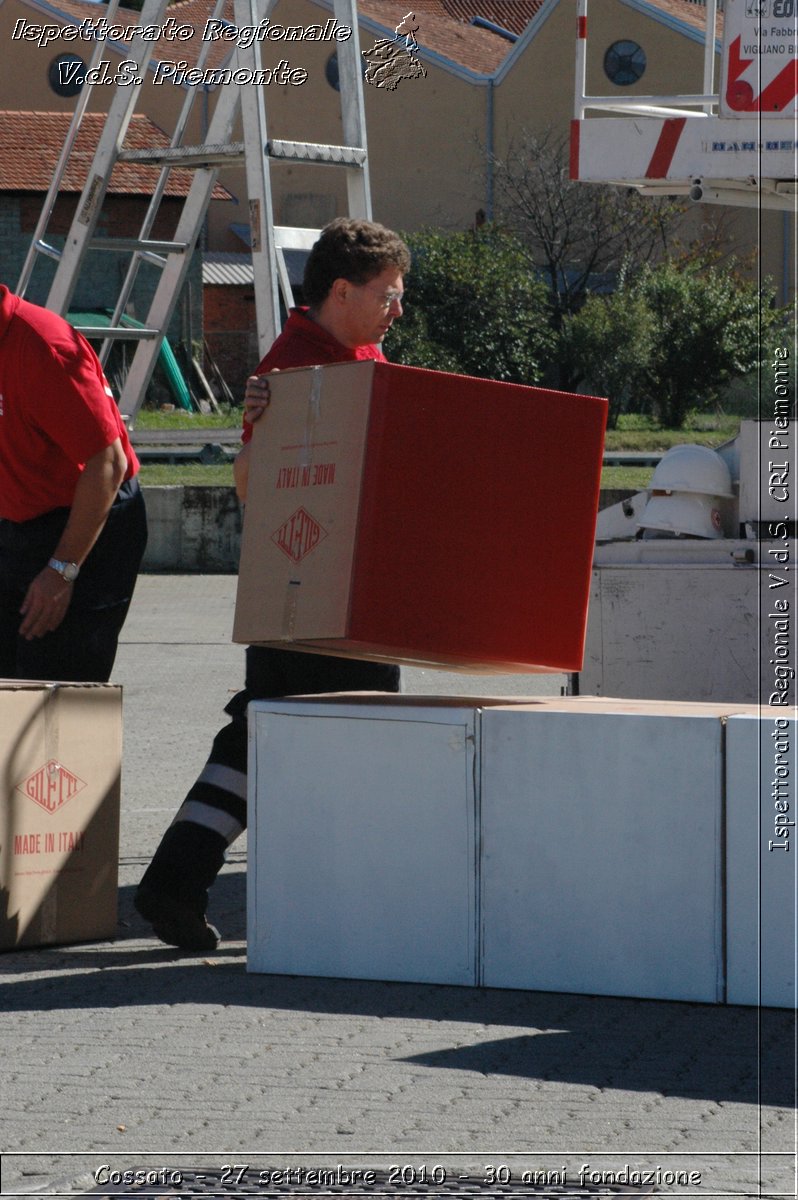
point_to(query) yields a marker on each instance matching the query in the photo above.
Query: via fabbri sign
(760, 58)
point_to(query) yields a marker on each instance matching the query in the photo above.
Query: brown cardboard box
(60, 755)
(421, 517)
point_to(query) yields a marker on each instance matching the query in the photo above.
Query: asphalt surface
(126, 1054)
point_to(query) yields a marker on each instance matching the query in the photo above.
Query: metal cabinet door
(601, 853)
(761, 858)
(362, 841)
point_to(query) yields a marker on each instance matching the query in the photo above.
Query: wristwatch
(68, 571)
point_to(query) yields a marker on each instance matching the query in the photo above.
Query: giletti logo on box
(51, 786)
(298, 535)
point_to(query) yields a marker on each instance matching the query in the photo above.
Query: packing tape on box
(289, 610)
(51, 726)
(312, 416)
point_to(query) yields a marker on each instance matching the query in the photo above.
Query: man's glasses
(386, 299)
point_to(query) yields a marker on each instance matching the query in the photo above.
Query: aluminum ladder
(257, 151)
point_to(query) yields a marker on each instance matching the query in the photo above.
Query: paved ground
(126, 1054)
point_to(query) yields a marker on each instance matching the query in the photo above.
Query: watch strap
(67, 570)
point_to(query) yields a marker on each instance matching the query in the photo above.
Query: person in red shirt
(353, 288)
(72, 521)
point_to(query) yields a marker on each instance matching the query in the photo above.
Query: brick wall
(231, 332)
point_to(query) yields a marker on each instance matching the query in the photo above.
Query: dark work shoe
(174, 921)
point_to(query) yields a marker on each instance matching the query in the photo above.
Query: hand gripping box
(60, 754)
(420, 517)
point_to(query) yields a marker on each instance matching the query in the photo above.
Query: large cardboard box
(421, 517)
(60, 755)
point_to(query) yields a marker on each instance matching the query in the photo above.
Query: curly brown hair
(353, 249)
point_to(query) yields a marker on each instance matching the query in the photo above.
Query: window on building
(66, 74)
(624, 63)
(331, 72)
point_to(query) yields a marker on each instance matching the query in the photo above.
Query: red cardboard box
(420, 517)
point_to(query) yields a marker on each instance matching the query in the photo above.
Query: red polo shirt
(56, 410)
(303, 343)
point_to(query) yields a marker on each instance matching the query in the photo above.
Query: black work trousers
(83, 647)
(218, 799)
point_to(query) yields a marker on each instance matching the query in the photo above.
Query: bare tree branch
(576, 231)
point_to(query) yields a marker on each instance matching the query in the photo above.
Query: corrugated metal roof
(227, 268)
(231, 267)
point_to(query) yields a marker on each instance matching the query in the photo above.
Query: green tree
(608, 344)
(576, 236)
(472, 306)
(709, 324)
(670, 339)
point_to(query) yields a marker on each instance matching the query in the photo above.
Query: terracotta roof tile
(477, 49)
(513, 15)
(692, 14)
(30, 143)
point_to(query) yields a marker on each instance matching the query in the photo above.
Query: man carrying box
(353, 288)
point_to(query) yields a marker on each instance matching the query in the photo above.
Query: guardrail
(184, 446)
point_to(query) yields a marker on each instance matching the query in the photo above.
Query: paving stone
(195, 1055)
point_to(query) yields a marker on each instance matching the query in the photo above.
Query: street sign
(760, 58)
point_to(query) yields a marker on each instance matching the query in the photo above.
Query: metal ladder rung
(47, 250)
(342, 156)
(118, 332)
(137, 244)
(149, 251)
(268, 243)
(189, 157)
(201, 156)
(295, 237)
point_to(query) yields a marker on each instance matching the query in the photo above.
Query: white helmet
(683, 513)
(695, 469)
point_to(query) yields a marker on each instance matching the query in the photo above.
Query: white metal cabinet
(674, 619)
(588, 845)
(362, 841)
(760, 881)
(601, 852)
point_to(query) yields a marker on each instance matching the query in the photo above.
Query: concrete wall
(192, 529)
(199, 528)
